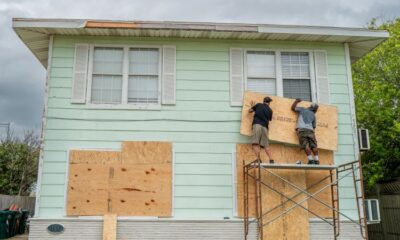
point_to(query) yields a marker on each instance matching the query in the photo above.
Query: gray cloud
(22, 77)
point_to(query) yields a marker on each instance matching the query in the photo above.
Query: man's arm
(314, 123)
(252, 105)
(295, 104)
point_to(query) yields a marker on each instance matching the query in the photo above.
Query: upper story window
(290, 78)
(261, 72)
(125, 75)
(107, 75)
(285, 73)
(296, 75)
(144, 74)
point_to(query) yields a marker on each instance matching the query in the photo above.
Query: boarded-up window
(134, 182)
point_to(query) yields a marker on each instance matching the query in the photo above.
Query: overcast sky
(22, 76)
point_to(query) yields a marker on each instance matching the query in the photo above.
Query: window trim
(125, 77)
(278, 68)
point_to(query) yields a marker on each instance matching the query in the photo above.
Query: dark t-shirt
(262, 114)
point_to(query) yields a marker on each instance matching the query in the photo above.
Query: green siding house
(186, 88)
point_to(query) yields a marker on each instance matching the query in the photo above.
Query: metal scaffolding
(335, 175)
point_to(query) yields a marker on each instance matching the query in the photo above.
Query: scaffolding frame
(335, 174)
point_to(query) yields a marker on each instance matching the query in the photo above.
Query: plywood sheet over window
(303, 179)
(134, 182)
(282, 127)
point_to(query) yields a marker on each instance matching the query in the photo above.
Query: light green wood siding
(203, 127)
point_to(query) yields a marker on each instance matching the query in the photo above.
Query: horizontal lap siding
(202, 125)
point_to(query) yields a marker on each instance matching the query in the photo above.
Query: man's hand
(295, 104)
(252, 103)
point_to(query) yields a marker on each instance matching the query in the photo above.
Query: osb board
(146, 152)
(284, 120)
(99, 183)
(96, 157)
(110, 227)
(142, 190)
(282, 227)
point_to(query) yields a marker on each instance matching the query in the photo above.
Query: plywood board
(326, 158)
(146, 152)
(110, 227)
(295, 224)
(99, 182)
(87, 189)
(94, 157)
(142, 190)
(283, 124)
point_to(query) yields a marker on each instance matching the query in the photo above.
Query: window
(143, 75)
(107, 75)
(261, 72)
(296, 75)
(124, 75)
(372, 210)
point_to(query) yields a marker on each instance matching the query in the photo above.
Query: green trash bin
(12, 223)
(23, 221)
(4, 226)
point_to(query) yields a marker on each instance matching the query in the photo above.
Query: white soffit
(35, 33)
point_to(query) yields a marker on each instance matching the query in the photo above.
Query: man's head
(267, 100)
(314, 107)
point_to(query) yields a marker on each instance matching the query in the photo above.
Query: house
(174, 91)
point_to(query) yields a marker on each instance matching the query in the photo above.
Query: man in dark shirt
(306, 124)
(262, 117)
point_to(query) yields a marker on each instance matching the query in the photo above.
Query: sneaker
(271, 161)
(316, 162)
(298, 162)
(311, 162)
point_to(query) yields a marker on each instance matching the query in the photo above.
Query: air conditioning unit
(363, 139)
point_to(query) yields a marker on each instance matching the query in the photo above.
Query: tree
(377, 97)
(18, 164)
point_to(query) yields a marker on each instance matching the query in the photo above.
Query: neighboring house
(185, 85)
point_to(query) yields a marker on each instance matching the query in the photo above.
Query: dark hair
(267, 100)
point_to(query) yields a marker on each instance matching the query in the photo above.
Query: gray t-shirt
(307, 119)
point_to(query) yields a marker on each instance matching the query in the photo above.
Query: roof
(35, 33)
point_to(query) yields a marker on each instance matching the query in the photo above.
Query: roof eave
(35, 32)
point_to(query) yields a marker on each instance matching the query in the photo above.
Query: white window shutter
(321, 76)
(169, 75)
(80, 73)
(236, 76)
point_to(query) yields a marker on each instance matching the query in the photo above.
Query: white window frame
(278, 68)
(125, 76)
(369, 210)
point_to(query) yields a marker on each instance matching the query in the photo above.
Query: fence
(24, 202)
(389, 205)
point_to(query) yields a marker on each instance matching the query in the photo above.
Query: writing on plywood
(283, 124)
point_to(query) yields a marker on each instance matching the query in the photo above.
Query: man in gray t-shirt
(306, 124)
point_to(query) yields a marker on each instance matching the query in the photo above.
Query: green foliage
(18, 165)
(377, 96)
